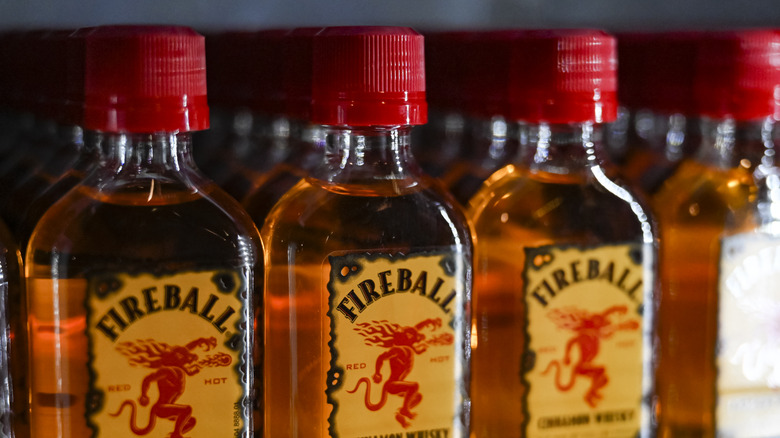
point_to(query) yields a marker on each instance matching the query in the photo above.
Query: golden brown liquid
(518, 209)
(652, 155)
(308, 224)
(141, 227)
(693, 209)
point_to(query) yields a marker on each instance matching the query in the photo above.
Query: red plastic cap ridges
(145, 79)
(368, 76)
(563, 76)
(738, 75)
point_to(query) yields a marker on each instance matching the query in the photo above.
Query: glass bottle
(368, 262)
(140, 279)
(89, 151)
(252, 86)
(14, 408)
(563, 271)
(305, 143)
(31, 147)
(437, 145)
(657, 126)
(490, 140)
(61, 104)
(709, 199)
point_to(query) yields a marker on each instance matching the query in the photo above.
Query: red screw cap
(145, 79)
(364, 76)
(738, 75)
(563, 76)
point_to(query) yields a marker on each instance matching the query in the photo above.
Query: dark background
(615, 15)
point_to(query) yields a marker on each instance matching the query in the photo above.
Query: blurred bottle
(9, 114)
(563, 284)
(703, 211)
(252, 86)
(368, 262)
(59, 78)
(30, 145)
(86, 145)
(490, 141)
(305, 144)
(14, 407)
(657, 126)
(140, 279)
(438, 144)
(305, 149)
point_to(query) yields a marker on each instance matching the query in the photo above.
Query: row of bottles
(349, 265)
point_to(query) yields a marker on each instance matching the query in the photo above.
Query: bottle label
(584, 361)
(168, 355)
(748, 353)
(397, 339)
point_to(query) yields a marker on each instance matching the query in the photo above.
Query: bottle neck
(729, 143)
(767, 177)
(153, 154)
(367, 155)
(560, 149)
(492, 142)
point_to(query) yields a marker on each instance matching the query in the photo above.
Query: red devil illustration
(590, 329)
(402, 343)
(171, 365)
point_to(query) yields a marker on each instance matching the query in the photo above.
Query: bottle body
(705, 200)
(563, 295)
(367, 286)
(140, 279)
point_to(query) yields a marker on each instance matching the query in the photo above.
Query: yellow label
(168, 355)
(397, 339)
(584, 360)
(748, 356)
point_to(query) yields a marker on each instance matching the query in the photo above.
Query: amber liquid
(143, 226)
(312, 221)
(693, 208)
(518, 209)
(653, 153)
(491, 145)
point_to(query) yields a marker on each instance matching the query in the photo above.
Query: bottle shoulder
(698, 192)
(341, 217)
(161, 223)
(589, 207)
